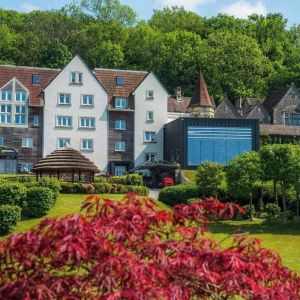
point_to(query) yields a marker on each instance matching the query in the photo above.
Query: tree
(209, 177)
(296, 177)
(133, 250)
(242, 173)
(278, 164)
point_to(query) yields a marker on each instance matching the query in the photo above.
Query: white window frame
(118, 124)
(20, 114)
(27, 142)
(150, 94)
(62, 99)
(76, 77)
(90, 98)
(120, 146)
(23, 97)
(149, 120)
(151, 154)
(1, 141)
(151, 140)
(83, 141)
(6, 93)
(67, 141)
(89, 123)
(66, 118)
(119, 101)
(6, 114)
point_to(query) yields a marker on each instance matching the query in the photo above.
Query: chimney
(178, 94)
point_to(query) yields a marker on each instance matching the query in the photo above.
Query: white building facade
(75, 113)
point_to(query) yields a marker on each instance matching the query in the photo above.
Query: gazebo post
(58, 175)
(37, 176)
(79, 175)
(72, 175)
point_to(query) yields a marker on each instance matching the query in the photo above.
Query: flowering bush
(133, 250)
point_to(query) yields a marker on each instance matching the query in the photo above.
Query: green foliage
(250, 211)
(102, 188)
(52, 184)
(209, 177)
(12, 193)
(130, 179)
(39, 201)
(179, 194)
(10, 215)
(273, 212)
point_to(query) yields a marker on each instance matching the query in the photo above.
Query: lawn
(189, 174)
(285, 239)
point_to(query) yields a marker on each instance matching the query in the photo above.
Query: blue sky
(239, 8)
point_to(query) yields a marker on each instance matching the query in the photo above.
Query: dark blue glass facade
(217, 144)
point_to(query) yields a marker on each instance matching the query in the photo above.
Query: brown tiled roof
(132, 79)
(178, 106)
(274, 98)
(280, 130)
(24, 75)
(200, 95)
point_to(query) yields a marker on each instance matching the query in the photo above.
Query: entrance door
(120, 170)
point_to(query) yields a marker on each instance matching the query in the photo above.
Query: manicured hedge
(39, 201)
(130, 179)
(12, 193)
(179, 194)
(101, 188)
(10, 215)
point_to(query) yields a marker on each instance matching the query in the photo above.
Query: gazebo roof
(66, 159)
(156, 165)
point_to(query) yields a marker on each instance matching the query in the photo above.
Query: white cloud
(188, 4)
(28, 7)
(243, 9)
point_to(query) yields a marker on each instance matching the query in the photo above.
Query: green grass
(189, 174)
(284, 239)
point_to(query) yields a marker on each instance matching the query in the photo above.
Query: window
(25, 167)
(76, 78)
(6, 96)
(293, 96)
(64, 121)
(5, 114)
(27, 142)
(120, 124)
(258, 109)
(36, 120)
(292, 119)
(64, 143)
(87, 100)
(149, 136)
(149, 116)
(120, 80)
(1, 141)
(36, 79)
(120, 170)
(120, 146)
(120, 103)
(87, 145)
(149, 94)
(64, 99)
(150, 156)
(20, 115)
(21, 96)
(86, 122)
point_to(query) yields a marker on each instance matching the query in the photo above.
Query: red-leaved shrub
(133, 250)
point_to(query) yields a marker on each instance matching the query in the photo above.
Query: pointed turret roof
(200, 95)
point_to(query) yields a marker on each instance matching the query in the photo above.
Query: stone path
(154, 194)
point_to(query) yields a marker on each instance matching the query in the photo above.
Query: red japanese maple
(133, 250)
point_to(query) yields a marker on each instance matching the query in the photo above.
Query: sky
(238, 8)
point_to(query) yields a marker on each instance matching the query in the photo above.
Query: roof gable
(262, 111)
(274, 98)
(227, 110)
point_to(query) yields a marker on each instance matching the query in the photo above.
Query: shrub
(178, 194)
(209, 177)
(52, 184)
(10, 215)
(273, 212)
(247, 208)
(39, 201)
(130, 179)
(12, 193)
(100, 179)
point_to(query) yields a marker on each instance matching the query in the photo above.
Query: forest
(239, 57)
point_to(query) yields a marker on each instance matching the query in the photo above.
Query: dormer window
(293, 96)
(36, 79)
(120, 102)
(76, 78)
(120, 80)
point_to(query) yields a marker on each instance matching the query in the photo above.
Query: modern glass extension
(217, 144)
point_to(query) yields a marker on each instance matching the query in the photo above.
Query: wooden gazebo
(67, 164)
